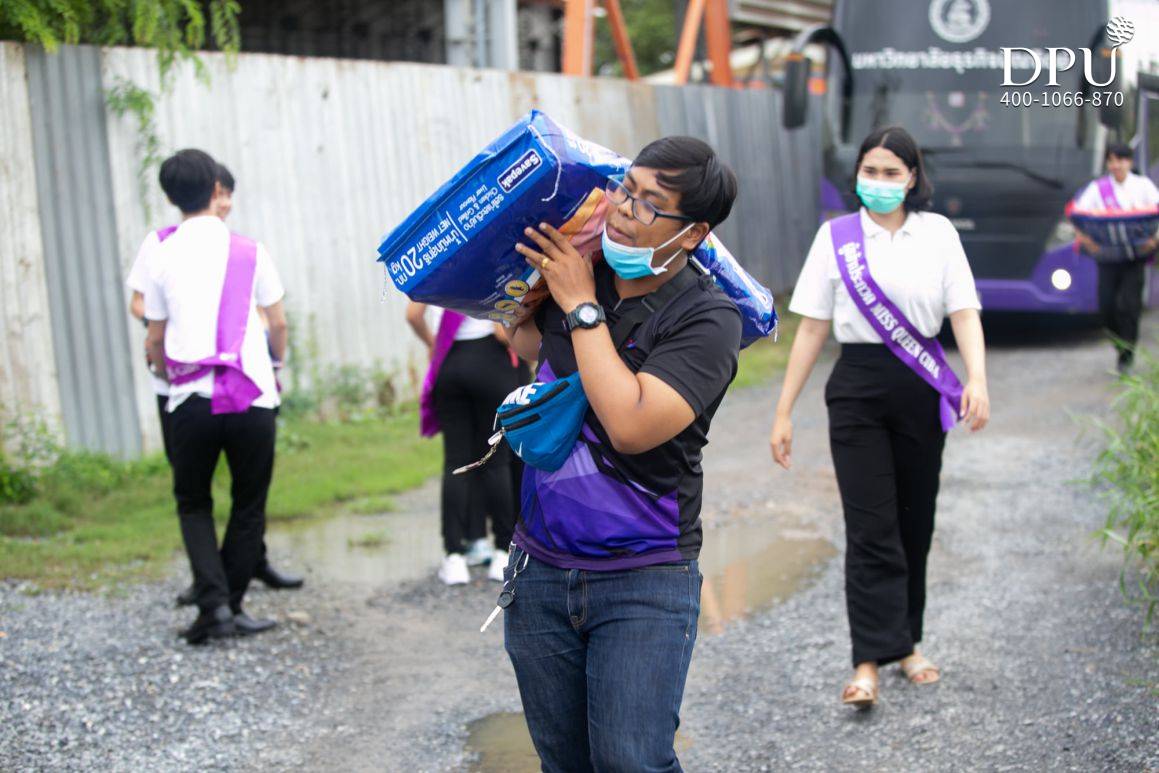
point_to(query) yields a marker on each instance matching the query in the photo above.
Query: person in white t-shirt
(137, 281)
(205, 338)
(886, 428)
(1120, 282)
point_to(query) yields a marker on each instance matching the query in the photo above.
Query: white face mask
(636, 262)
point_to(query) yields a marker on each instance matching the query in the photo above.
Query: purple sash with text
(1110, 201)
(924, 356)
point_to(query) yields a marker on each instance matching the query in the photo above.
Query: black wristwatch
(585, 316)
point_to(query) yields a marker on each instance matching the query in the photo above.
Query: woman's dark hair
(1119, 150)
(188, 177)
(225, 178)
(690, 167)
(899, 142)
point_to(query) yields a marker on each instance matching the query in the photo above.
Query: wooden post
(688, 35)
(718, 40)
(577, 37)
(620, 38)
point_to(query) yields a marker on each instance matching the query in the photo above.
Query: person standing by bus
(1120, 282)
(885, 278)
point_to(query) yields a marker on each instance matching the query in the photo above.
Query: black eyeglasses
(641, 210)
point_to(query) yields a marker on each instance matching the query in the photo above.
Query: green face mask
(880, 196)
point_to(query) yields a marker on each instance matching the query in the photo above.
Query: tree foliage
(652, 29)
(176, 28)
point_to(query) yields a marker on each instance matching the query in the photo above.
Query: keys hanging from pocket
(507, 595)
(504, 601)
(494, 442)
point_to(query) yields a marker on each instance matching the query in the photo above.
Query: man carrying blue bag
(603, 586)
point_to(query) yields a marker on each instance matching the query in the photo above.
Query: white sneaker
(498, 564)
(479, 552)
(454, 570)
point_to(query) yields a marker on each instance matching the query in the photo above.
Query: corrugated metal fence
(78, 228)
(328, 155)
(775, 215)
(28, 381)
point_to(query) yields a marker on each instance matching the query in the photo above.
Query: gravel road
(1044, 667)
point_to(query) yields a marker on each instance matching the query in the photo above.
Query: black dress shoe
(247, 626)
(216, 624)
(277, 580)
(187, 597)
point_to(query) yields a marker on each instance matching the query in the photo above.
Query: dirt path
(376, 666)
(1044, 667)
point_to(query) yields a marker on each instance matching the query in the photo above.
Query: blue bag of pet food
(457, 250)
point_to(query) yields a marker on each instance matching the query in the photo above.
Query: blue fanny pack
(542, 421)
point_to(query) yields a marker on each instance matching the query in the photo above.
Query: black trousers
(474, 379)
(477, 519)
(198, 440)
(886, 438)
(166, 432)
(1121, 302)
(166, 419)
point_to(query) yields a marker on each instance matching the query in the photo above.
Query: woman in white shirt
(891, 395)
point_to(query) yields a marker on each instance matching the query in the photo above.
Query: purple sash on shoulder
(448, 326)
(922, 355)
(165, 233)
(1110, 201)
(233, 390)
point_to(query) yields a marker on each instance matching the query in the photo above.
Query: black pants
(198, 439)
(472, 382)
(477, 519)
(886, 438)
(166, 419)
(1121, 303)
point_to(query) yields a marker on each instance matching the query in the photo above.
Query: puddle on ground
(368, 550)
(747, 566)
(503, 745)
(751, 566)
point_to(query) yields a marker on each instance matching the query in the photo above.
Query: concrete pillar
(457, 24)
(502, 25)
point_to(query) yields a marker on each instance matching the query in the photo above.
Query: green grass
(98, 522)
(1127, 474)
(374, 539)
(762, 361)
(372, 505)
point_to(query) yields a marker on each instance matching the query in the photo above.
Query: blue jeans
(601, 659)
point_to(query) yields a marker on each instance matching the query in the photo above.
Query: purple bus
(1005, 160)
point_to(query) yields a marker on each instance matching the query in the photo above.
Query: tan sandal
(916, 665)
(863, 695)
